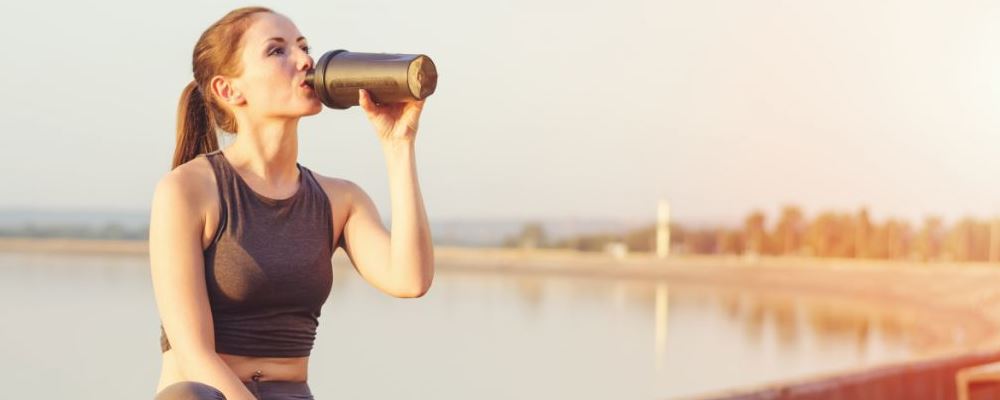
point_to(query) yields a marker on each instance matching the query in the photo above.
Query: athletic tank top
(268, 269)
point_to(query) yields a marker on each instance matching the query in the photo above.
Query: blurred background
(634, 199)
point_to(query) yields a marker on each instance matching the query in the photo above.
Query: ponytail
(195, 126)
(200, 115)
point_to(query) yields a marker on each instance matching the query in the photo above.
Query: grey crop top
(268, 270)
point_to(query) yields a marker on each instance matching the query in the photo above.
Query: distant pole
(663, 230)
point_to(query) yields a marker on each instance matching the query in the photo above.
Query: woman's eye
(281, 50)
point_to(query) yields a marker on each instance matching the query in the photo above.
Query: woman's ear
(225, 90)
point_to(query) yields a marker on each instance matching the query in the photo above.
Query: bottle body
(389, 78)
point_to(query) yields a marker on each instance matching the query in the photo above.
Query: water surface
(85, 327)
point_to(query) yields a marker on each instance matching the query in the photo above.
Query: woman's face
(275, 61)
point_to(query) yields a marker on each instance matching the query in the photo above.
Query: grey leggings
(262, 390)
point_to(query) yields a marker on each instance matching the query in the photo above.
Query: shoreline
(71, 246)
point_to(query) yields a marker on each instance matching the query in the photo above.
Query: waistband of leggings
(282, 387)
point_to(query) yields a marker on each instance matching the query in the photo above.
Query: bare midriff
(293, 369)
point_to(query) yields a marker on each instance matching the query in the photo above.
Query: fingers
(365, 101)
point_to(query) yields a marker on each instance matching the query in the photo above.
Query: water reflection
(662, 308)
(793, 320)
(556, 336)
(707, 338)
(531, 293)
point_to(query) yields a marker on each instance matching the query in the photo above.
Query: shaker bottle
(388, 78)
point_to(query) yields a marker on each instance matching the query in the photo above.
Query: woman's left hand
(394, 121)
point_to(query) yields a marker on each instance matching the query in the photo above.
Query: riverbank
(955, 306)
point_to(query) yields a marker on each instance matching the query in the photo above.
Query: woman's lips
(310, 93)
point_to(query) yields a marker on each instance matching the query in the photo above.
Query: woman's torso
(245, 367)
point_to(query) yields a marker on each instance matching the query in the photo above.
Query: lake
(86, 327)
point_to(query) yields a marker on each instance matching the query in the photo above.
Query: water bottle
(388, 78)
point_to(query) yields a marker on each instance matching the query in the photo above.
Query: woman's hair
(199, 113)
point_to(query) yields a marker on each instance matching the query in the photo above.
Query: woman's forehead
(271, 25)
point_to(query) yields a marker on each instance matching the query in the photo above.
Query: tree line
(828, 234)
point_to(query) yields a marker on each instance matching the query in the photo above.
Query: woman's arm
(177, 269)
(401, 264)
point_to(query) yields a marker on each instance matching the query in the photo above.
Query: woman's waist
(248, 368)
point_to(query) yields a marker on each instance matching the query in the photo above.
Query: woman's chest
(273, 262)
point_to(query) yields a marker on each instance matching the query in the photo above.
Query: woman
(240, 239)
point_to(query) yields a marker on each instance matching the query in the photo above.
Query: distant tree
(728, 242)
(928, 242)
(955, 243)
(899, 239)
(968, 240)
(700, 242)
(754, 233)
(790, 231)
(832, 235)
(994, 242)
(532, 236)
(863, 231)
(642, 239)
(818, 235)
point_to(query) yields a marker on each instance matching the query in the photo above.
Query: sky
(551, 108)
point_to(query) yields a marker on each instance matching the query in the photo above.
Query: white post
(663, 230)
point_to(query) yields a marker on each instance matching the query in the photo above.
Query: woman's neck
(269, 151)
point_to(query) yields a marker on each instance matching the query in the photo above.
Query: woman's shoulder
(333, 184)
(191, 183)
(339, 190)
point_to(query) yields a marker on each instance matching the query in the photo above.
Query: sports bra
(268, 269)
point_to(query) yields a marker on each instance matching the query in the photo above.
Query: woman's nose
(305, 62)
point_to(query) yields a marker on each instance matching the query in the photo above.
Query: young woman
(241, 239)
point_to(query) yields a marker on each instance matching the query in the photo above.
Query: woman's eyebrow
(282, 40)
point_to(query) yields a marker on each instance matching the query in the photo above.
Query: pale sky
(588, 109)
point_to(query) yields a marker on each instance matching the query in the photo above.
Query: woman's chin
(314, 108)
